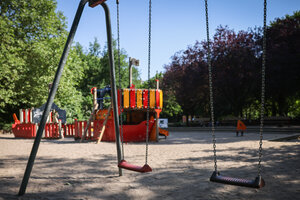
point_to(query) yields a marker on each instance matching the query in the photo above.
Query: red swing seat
(125, 165)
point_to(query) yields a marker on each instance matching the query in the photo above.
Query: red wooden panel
(157, 98)
(132, 98)
(28, 115)
(145, 98)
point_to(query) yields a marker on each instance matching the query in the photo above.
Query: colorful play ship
(132, 105)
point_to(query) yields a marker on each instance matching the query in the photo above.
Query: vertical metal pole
(156, 114)
(51, 96)
(113, 84)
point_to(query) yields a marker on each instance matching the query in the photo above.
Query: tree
(236, 70)
(32, 37)
(31, 33)
(96, 72)
(283, 82)
(186, 80)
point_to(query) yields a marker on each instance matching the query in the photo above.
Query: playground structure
(135, 107)
(26, 127)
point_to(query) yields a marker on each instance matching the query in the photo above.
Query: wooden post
(61, 135)
(89, 122)
(95, 98)
(26, 116)
(21, 116)
(104, 124)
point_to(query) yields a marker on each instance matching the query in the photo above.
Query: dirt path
(181, 165)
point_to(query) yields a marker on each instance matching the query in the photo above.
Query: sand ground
(181, 165)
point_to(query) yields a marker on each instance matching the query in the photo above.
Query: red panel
(125, 165)
(109, 133)
(84, 127)
(73, 130)
(28, 115)
(131, 133)
(68, 130)
(76, 135)
(132, 98)
(46, 130)
(80, 129)
(90, 131)
(52, 131)
(157, 98)
(24, 130)
(145, 98)
(55, 130)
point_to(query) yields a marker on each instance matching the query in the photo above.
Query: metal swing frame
(62, 62)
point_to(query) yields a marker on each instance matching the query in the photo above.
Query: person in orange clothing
(240, 127)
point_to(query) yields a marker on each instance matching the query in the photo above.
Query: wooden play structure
(100, 126)
(27, 126)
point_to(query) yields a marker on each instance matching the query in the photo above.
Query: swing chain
(149, 61)
(263, 83)
(211, 88)
(119, 65)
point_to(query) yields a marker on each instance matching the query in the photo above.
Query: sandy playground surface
(181, 165)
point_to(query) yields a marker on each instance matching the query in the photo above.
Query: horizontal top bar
(94, 3)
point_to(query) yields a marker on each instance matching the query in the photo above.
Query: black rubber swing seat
(258, 182)
(125, 165)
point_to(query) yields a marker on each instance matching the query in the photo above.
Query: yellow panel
(160, 99)
(139, 98)
(152, 98)
(126, 98)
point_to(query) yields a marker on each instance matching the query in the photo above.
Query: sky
(176, 24)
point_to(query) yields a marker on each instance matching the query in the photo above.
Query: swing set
(258, 182)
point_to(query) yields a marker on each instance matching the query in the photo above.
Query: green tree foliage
(171, 109)
(31, 37)
(96, 72)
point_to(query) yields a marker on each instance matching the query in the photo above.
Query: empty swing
(258, 182)
(123, 163)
